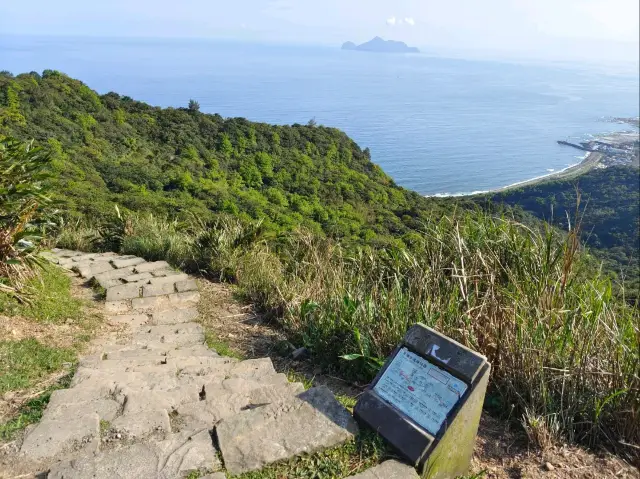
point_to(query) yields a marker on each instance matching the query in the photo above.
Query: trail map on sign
(421, 390)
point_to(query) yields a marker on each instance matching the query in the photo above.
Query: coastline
(590, 161)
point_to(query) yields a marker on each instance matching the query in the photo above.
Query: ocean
(436, 125)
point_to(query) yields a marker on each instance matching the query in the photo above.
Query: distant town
(612, 149)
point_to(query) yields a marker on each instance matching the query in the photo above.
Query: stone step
(167, 302)
(163, 350)
(91, 268)
(132, 321)
(126, 262)
(223, 404)
(169, 277)
(306, 423)
(154, 266)
(174, 316)
(123, 291)
(388, 470)
(176, 456)
(64, 434)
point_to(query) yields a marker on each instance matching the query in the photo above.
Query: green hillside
(319, 239)
(110, 150)
(609, 209)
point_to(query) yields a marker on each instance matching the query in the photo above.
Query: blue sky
(542, 28)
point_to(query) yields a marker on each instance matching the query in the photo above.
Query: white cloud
(393, 21)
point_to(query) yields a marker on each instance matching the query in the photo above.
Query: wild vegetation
(319, 238)
(610, 203)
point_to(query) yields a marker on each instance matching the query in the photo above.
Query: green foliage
(23, 170)
(611, 219)
(193, 105)
(110, 150)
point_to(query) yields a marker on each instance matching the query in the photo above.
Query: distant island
(380, 45)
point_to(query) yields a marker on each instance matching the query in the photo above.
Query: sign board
(427, 400)
(420, 389)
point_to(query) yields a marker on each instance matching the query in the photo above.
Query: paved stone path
(156, 402)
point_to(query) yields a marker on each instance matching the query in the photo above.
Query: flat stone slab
(55, 437)
(312, 421)
(123, 291)
(138, 461)
(157, 289)
(142, 423)
(171, 278)
(164, 303)
(187, 285)
(117, 307)
(176, 457)
(174, 316)
(66, 403)
(388, 470)
(136, 278)
(223, 404)
(147, 267)
(186, 453)
(94, 268)
(123, 263)
(133, 321)
(114, 274)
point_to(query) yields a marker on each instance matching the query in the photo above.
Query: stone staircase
(155, 402)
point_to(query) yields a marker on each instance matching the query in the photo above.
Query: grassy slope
(28, 362)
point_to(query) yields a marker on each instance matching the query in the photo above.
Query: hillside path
(154, 401)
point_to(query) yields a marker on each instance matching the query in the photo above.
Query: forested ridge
(176, 162)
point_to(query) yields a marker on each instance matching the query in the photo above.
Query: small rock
(300, 353)
(549, 467)
(118, 436)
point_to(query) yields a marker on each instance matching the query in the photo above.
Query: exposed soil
(502, 449)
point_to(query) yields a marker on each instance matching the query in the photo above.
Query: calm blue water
(435, 125)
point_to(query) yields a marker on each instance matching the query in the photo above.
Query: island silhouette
(381, 45)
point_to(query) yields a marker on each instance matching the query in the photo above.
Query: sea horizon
(436, 125)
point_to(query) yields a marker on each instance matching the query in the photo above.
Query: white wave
(550, 170)
(464, 193)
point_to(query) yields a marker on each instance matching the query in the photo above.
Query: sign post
(427, 400)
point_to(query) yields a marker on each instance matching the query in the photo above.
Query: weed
(296, 377)
(220, 346)
(32, 411)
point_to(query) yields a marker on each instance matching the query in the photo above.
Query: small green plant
(23, 171)
(220, 346)
(104, 427)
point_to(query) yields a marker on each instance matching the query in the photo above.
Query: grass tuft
(32, 411)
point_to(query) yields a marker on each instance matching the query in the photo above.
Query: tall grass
(562, 347)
